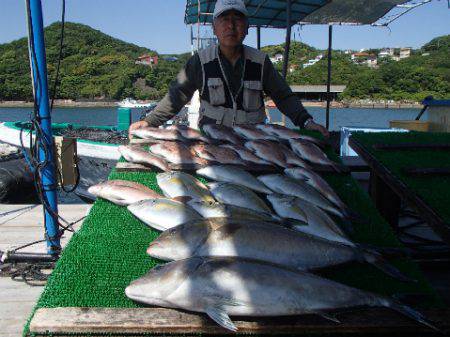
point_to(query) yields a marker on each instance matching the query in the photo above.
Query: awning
(263, 13)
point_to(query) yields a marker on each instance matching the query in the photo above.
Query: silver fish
(319, 223)
(177, 153)
(246, 155)
(251, 133)
(180, 184)
(234, 175)
(312, 153)
(284, 185)
(286, 133)
(122, 192)
(216, 153)
(219, 210)
(156, 133)
(189, 133)
(223, 287)
(138, 155)
(237, 195)
(162, 213)
(317, 182)
(266, 151)
(222, 133)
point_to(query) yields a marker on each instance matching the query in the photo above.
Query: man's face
(231, 28)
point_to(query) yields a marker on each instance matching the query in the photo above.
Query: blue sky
(158, 24)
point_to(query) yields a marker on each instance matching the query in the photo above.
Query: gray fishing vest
(216, 99)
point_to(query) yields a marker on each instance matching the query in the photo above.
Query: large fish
(219, 210)
(179, 184)
(312, 153)
(267, 152)
(122, 192)
(189, 133)
(217, 154)
(138, 155)
(286, 133)
(251, 133)
(156, 133)
(246, 155)
(163, 213)
(233, 175)
(319, 223)
(316, 181)
(261, 240)
(298, 188)
(223, 287)
(237, 195)
(176, 153)
(222, 133)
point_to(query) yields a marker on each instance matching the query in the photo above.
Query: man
(231, 79)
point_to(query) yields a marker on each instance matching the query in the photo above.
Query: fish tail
(411, 313)
(374, 258)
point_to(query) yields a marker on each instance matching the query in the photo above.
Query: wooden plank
(161, 320)
(401, 189)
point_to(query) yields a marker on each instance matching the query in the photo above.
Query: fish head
(180, 242)
(161, 281)
(96, 189)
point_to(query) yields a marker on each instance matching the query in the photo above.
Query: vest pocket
(216, 91)
(252, 95)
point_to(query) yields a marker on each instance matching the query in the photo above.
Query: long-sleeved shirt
(190, 78)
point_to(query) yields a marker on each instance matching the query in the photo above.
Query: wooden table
(387, 191)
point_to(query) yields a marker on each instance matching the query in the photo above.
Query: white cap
(226, 5)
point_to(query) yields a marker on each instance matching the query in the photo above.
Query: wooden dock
(21, 224)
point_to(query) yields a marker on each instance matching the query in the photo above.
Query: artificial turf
(109, 251)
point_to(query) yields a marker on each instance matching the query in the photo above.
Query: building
(371, 61)
(313, 61)
(405, 53)
(387, 52)
(317, 92)
(147, 60)
(277, 58)
(293, 67)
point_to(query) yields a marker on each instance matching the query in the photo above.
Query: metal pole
(258, 37)
(330, 38)
(286, 47)
(47, 172)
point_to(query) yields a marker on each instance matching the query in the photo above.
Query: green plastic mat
(434, 190)
(109, 252)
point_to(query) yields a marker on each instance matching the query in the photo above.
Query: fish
(163, 213)
(264, 240)
(189, 133)
(237, 195)
(319, 223)
(180, 184)
(122, 192)
(138, 155)
(222, 133)
(267, 151)
(252, 133)
(219, 210)
(316, 181)
(246, 155)
(226, 286)
(217, 154)
(298, 188)
(287, 134)
(312, 153)
(156, 133)
(235, 175)
(176, 153)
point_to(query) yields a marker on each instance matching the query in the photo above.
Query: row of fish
(264, 144)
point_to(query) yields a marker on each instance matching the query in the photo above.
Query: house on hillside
(387, 52)
(277, 58)
(293, 67)
(405, 53)
(369, 60)
(147, 60)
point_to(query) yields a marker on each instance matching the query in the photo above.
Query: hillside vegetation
(96, 66)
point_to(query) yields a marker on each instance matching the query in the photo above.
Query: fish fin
(411, 313)
(293, 223)
(387, 252)
(182, 198)
(328, 316)
(376, 260)
(218, 315)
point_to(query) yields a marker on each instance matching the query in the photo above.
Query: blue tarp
(264, 13)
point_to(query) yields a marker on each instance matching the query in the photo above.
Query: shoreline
(334, 104)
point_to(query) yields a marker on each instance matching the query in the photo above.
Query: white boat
(132, 103)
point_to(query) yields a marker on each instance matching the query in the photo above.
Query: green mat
(109, 252)
(434, 190)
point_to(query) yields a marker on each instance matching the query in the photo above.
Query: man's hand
(137, 125)
(314, 126)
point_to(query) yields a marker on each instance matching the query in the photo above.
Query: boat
(132, 103)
